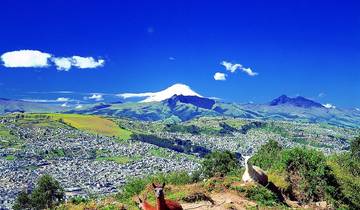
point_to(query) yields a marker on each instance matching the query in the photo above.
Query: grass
(10, 157)
(54, 153)
(116, 159)
(164, 153)
(93, 124)
(160, 152)
(279, 180)
(7, 140)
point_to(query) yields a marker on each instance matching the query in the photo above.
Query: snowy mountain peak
(176, 89)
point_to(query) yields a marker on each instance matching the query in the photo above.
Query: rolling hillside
(183, 108)
(10, 106)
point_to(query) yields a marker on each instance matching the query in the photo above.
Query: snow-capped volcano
(176, 89)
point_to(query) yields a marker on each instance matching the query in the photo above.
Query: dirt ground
(225, 200)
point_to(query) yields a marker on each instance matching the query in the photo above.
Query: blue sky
(308, 48)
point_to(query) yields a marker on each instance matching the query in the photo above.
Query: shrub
(22, 201)
(355, 148)
(267, 155)
(219, 163)
(79, 199)
(346, 170)
(261, 195)
(47, 194)
(309, 177)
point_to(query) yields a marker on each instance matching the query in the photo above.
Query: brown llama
(144, 205)
(161, 202)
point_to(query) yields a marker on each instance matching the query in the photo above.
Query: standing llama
(161, 202)
(254, 173)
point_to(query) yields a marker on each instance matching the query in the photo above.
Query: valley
(95, 156)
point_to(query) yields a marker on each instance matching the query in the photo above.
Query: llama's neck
(160, 203)
(248, 166)
(147, 206)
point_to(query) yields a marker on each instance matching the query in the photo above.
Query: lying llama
(161, 202)
(254, 173)
(144, 205)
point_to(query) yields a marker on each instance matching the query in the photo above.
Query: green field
(93, 124)
(8, 140)
(116, 159)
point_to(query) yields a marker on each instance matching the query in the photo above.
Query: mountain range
(166, 106)
(12, 105)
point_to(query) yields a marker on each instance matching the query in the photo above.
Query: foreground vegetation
(300, 174)
(306, 175)
(303, 175)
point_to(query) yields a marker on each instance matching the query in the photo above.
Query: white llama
(254, 173)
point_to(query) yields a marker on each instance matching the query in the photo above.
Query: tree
(23, 201)
(219, 163)
(47, 194)
(355, 148)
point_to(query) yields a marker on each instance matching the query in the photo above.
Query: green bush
(355, 148)
(219, 163)
(79, 199)
(47, 194)
(261, 195)
(307, 174)
(22, 201)
(346, 170)
(267, 155)
(309, 177)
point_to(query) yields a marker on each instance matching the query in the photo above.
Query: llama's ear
(154, 186)
(140, 201)
(163, 185)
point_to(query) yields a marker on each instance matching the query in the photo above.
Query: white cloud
(177, 89)
(39, 100)
(357, 109)
(249, 71)
(135, 95)
(96, 97)
(172, 58)
(64, 105)
(329, 106)
(87, 62)
(62, 99)
(25, 58)
(62, 63)
(35, 58)
(220, 76)
(321, 95)
(58, 100)
(79, 106)
(233, 67)
(65, 64)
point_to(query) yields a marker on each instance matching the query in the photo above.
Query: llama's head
(159, 190)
